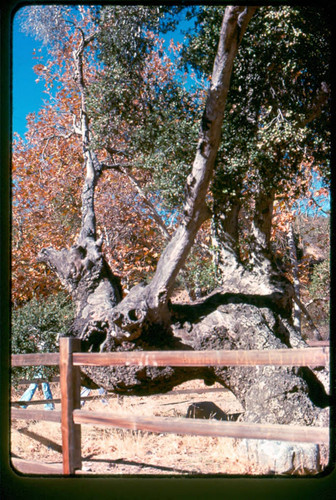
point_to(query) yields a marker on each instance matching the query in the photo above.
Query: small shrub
(36, 327)
(319, 288)
(320, 280)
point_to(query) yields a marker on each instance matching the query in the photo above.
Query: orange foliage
(47, 177)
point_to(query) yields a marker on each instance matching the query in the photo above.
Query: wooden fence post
(70, 400)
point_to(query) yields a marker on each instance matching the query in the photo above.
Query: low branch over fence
(209, 428)
(312, 356)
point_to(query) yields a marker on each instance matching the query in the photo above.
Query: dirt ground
(110, 451)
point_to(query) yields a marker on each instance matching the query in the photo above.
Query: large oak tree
(255, 313)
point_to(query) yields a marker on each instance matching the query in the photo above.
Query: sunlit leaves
(48, 165)
(280, 70)
(141, 107)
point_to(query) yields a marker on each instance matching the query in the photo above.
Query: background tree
(51, 158)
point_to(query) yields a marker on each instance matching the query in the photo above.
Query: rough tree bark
(225, 236)
(251, 315)
(260, 276)
(261, 230)
(298, 307)
(296, 282)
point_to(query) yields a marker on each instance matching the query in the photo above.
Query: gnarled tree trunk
(154, 297)
(296, 282)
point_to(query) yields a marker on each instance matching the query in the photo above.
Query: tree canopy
(143, 120)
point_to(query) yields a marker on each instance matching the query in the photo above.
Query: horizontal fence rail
(47, 415)
(28, 381)
(311, 356)
(49, 401)
(35, 359)
(72, 417)
(318, 343)
(209, 428)
(28, 467)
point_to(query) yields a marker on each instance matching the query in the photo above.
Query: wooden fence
(72, 417)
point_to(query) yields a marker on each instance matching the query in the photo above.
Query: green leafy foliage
(36, 327)
(139, 105)
(119, 97)
(170, 159)
(202, 277)
(278, 112)
(320, 280)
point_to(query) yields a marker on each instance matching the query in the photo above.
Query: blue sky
(27, 95)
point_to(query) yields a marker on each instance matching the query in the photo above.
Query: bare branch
(296, 281)
(116, 166)
(316, 299)
(148, 203)
(309, 318)
(88, 227)
(76, 128)
(52, 137)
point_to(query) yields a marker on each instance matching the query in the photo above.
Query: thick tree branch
(195, 208)
(224, 233)
(261, 231)
(88, 227)
(296, 281)
(303, 308)
(196, 211)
